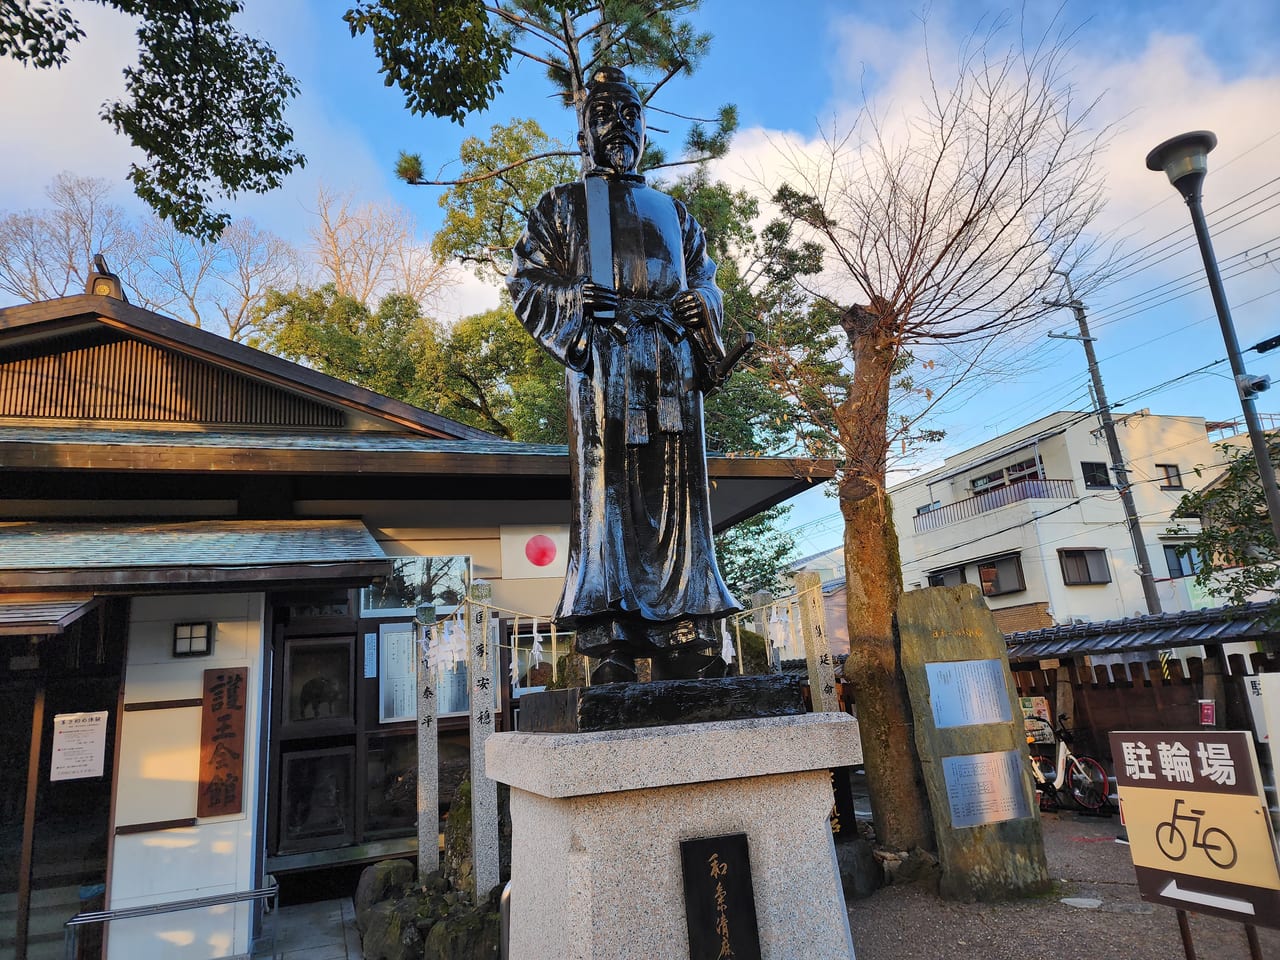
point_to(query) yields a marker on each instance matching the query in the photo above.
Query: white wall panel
(159, 766)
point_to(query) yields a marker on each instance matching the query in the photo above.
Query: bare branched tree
(47, 253)
(201, 282)
(253, 261)
(939, 230)
(371, 249)
(171, 271)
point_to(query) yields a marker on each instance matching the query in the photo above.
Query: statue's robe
(641, 547)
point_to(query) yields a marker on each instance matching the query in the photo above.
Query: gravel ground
(904, 922)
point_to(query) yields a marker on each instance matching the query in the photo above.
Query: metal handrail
(174, 906)
(1019, 490)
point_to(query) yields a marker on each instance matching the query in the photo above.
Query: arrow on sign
(1174, 892)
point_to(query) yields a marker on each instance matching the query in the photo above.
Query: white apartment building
(1035, 519)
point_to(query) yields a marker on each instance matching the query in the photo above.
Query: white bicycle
(1087, 780)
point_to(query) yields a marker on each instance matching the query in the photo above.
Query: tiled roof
(164, 331)
(370, 441)
(204, 543)
(41, 616)
(1156, 632)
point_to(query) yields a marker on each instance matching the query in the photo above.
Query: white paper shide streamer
(726, 643)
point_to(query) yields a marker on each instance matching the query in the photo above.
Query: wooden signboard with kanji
(1198, 826)
(222, 723)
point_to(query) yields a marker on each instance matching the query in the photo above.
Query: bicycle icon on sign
(1217, 846)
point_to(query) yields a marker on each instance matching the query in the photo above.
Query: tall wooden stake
(428, 753)
(817, 652)
(29, 824)
(484, 792)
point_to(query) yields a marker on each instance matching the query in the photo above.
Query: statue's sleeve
(700, 277)
(545, 287)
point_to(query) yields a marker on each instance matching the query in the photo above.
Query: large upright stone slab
(598, 818)
(972, 745)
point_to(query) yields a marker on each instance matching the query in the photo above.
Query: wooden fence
(1140, 696)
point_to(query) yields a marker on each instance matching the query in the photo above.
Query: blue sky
(1162, 68)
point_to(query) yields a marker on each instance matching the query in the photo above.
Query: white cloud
(1170, 87)
(1167, 86)
(50, 117)
(467, 295)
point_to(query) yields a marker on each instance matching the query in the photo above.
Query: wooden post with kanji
(817, 651)
(428, 750)
(484, 792)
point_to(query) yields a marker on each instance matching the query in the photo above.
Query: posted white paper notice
(79, 745)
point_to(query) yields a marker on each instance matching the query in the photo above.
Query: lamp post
(1185, 159)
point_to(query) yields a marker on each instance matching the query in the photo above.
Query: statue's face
(613, 129)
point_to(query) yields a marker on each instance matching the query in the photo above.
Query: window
(1170, 476)
(418, 581)
(992, 481)
(192, 639)
(1001, 575)
(1095, 474)
(928, 508)
(1084, 566)
(1183, 561)
(1026, 470)
(950, 577)
(537, 653)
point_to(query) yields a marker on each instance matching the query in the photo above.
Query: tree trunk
(899, 803)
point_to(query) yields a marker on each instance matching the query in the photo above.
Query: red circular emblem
(540, 550)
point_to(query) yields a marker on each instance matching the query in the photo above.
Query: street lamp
(1185, 159)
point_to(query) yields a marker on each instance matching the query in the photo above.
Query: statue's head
(612, 131)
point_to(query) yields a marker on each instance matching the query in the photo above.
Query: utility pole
(1113, 445)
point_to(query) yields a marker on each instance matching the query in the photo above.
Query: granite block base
(598, 819)
(660, 703)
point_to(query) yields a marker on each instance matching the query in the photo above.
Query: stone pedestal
(598, 818)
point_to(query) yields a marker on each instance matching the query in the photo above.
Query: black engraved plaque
(719, 903)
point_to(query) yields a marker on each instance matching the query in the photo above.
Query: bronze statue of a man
(612, 278)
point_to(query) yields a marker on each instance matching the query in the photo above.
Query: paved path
(907, 923)
(316, 931)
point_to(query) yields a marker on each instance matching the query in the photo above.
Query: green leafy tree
(393, 350)
(1240, 560)
(449, 58)
(485, 215)
(495, 377)
(752, 553)
(204, 102)
(937, 237)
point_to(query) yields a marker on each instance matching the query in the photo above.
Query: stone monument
(687, 817)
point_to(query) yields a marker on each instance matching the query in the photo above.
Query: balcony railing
(993, 499)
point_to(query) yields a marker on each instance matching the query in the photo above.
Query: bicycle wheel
(1175, 847)
(1088, 782)
(1225, 849)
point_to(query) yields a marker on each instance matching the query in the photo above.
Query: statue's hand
(596, 298)
(689, 310)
